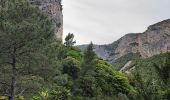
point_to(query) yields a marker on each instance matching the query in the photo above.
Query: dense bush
(57, 93)
(71, 66)
(151, 77)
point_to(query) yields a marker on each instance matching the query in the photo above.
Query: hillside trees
(98, 80)
(24, 32)
(146, 88)
(95, 78)
(89, 54)
(101, 81)
(34, 64)
(72, 67)
(163, 72)
(150, 77)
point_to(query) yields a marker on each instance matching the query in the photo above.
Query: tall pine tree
(89, 54)
(24, 31)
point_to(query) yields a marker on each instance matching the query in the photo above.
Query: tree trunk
(13, 79)
(13, 88)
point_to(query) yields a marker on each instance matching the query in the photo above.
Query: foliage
(24, 33)
(3, 98)
(35, 64)
(164, 70)
(89, 54)
(69, 40)
(112, 78)
(57, 93)
(120, 62)
(101, 80)
(75, 53)
(146, 88)
(150, 79)
(71, 66)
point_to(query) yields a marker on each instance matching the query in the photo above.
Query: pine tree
(164, 70)
(69, 40)
(89, 54)
(24, 31)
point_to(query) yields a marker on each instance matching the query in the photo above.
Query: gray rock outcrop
(53, 9)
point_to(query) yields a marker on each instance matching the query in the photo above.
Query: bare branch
(8, 63)
(4, 83)
(4, 94)
(21, 92)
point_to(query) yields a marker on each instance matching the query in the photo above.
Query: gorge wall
(53, 9)
(155, 40)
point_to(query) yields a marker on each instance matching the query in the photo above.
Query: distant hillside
(146, 66)
(131, 60)
(125, 61)
(155, 40)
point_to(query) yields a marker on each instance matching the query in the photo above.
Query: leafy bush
(77, 54)
(71, 67)
(57, 93)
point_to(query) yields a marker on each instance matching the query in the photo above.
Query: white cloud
(104, 21)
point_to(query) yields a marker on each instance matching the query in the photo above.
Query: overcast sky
(104, 21)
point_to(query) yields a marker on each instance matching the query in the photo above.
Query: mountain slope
(155, 40)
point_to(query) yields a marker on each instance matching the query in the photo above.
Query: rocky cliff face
(155, 40)
(53, 9)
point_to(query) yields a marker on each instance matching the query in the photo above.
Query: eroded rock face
(53, 9)
(155, 40)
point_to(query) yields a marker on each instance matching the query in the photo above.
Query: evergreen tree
(89, 54)
(164, 70)
(24, 32)
(69, 40)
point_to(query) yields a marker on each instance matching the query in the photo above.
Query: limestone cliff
(155, 40)
(53, 9)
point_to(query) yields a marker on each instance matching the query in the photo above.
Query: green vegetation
(69, 40)
(120, 62)
(89, 55)
(56, 93)
(151, 77)
(34, 65)
(71, 66)
(24, 33)
(92, 78)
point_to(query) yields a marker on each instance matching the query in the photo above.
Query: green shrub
(71, 67)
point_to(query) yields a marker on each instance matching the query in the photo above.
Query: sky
(105, 21)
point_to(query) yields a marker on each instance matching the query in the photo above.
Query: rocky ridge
(155, 40)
